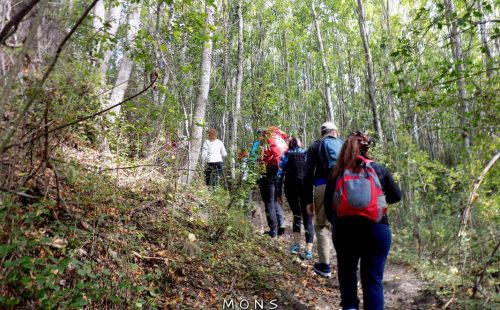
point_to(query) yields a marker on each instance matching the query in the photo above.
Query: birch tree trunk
(114, 21)
(170, 23)
(226, 72)
(369, 67)
(456, 51)
(239, 81)
(326, 71)
(484, 41)
(196, 132)
(386, 29)
(10, 78)
(127, 63)
(98, 22)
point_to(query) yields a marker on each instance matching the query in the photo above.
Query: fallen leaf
(59, 243)
(192, 237)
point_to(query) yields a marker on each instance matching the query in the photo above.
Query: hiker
(212, 153)
(293, 170)
(268, 149)
(356, 200)
(321, 158)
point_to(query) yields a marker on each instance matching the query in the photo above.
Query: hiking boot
(270, 233)
(324, 270)
(294, 249)
(281, 231)
(308, 255)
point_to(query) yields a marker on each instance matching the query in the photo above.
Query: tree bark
(196, 132)
(127, 63)
(484, 41)
(456, 50)
(386, 28)
(326, 70)
(14, 70)
(114, 22)
(12, 25)
(38, 86)
(98, 24)
(226, 71)
(239, 81)
(369, 67)
(170, 23)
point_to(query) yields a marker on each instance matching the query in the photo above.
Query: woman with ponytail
(357, 193)
(293, 171)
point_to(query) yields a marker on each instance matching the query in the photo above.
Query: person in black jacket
(292, 171)
(317, 171)
(358, 239)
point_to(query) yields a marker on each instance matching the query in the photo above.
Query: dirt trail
(402, 288)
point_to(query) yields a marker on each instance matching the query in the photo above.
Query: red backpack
(274, 146)
(359, 193)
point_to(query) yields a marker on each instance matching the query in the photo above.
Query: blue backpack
(329, 150)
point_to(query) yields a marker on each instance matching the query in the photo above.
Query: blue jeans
(357, 239)
(274, 213)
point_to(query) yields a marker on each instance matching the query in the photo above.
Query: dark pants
(274, 213)
(213, 173)
(355, 240)
(295, 195)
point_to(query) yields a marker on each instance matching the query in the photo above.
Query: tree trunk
(25, 51)
(127, 63)
(386, 28)
(226, 71)
(98, 22)
(456, 51)
(114, 22)
(326, 71)
(196, 133)
(239, 81)
(12, 25)
(484, 41)
(369, 67)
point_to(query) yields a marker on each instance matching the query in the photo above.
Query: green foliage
(36, 264)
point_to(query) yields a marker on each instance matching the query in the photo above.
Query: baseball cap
(328, 126)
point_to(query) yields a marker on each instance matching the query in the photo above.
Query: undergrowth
(146, 244)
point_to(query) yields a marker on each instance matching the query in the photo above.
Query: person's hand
(310, 209)
(280, 200)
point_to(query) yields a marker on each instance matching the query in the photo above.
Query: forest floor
(131, 239)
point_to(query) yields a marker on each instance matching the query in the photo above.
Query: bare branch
(474, 195)
(39, 85)
(12, 25)
(79, 120)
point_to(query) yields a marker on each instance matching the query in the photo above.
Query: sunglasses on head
(366, 140)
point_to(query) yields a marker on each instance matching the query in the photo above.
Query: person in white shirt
(212, 153)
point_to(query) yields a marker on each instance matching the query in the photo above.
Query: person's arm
(328, 202)
(389, 186)
(254, 154)
(281, 174)
(223, 152)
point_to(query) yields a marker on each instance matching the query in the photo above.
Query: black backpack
(296, 167)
